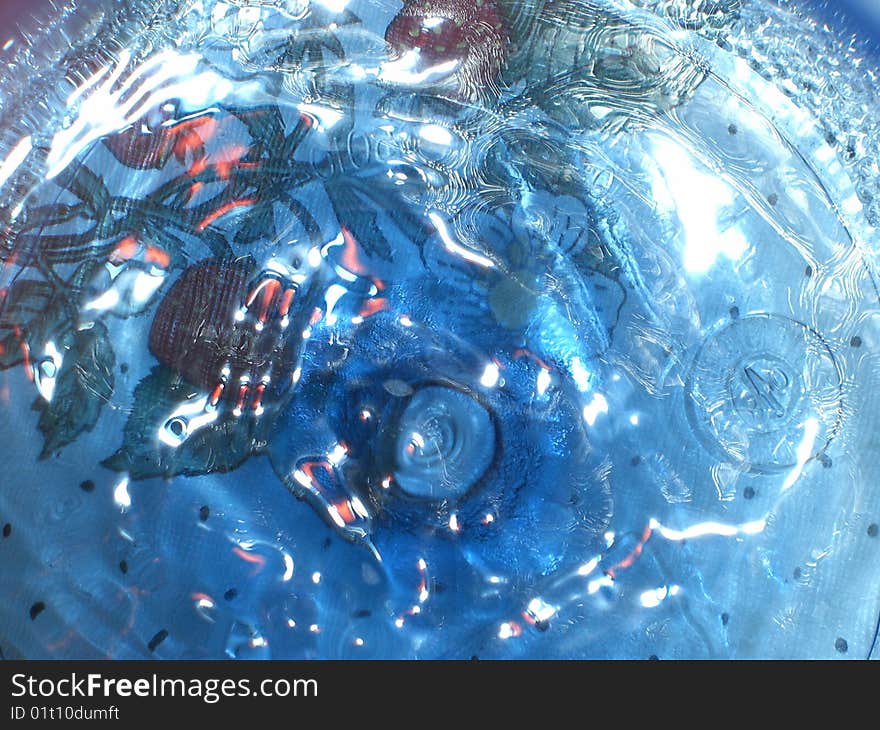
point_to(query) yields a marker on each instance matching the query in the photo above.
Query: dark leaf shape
(358, 205)
(85, 185)
(53, 215)
(258, 224)
(84, 383)
(360, 217)
(217, 447)
(403, 214)
(11, 353)
(304, 216)
(293, 140)
(265, 124)
(334, 45)
(216, 242)
(23, 301)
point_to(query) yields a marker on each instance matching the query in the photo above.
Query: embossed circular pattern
(445, 443)
(765, 392)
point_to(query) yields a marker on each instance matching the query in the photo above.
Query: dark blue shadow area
(859, 19)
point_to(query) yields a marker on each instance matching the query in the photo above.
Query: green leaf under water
(84, 383)
(217, 447)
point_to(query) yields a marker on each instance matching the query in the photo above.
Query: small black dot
(37, 609)
(362, 613)
(732, 129)
(873, 530)
(123, 368)
(204, 513)
(841, 645)
(636, 460)
(855, 341)
(725, 617)
(7, 529)
(230, 594)
(327, 543)
(87, 486)
(748, 493)
(797, 573)
(123, 566)
(826, 461)
(734, 312)
(808, 272)
(160, 636)
(653, 658)
(773, 198)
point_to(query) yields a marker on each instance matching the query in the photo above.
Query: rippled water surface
(353, 328)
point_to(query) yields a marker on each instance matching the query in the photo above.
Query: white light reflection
(14, 159)
(588, 567)
(654, 597)
(326, 117)
(436, 134)
(144, 286)
(491, 376)
(702, 529)
(540, 610)
(543, 382)
(121, 495)
(456, 248)
(698, 213)
(288, 568)
(46, 371)
(509, 630)
(112, 106)
(804, 452)
(337, 455)
(580, 375)
(594, 408)
(314, 257)
(331, 298)
(105, 301)
(405, 70)
(186, 420)
(606, 581)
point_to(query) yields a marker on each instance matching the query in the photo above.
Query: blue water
(353, 329)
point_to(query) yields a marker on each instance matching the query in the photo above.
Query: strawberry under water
(470, 34)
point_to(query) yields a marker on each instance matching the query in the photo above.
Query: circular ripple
(445, 443)
(763, 390)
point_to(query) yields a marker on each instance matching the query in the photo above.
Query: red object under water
(196, 332)
(471, 33)
(145, 145)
